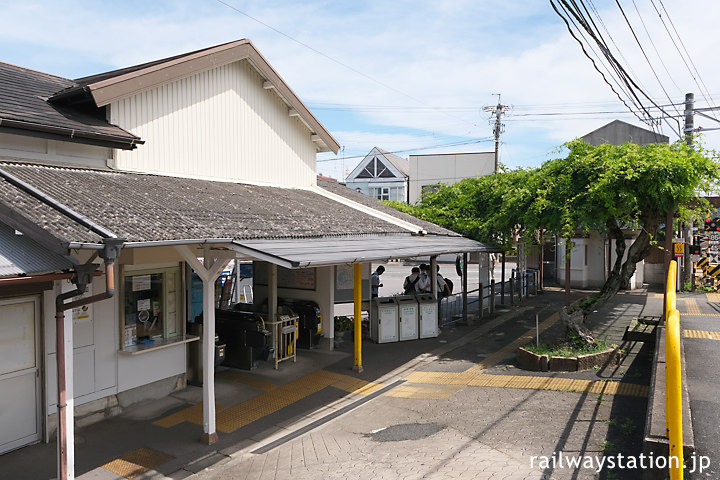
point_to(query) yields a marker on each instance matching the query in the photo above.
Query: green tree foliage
(607, 188)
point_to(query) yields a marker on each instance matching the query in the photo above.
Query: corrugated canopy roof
(20, 255)
(312, 252)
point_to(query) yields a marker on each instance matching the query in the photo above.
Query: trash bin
(384, 320)
(408, 313)
(428, 316)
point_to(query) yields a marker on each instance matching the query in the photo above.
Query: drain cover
(406, 431)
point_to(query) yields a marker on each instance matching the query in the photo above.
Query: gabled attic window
(375, 169)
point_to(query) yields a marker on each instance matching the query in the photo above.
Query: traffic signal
(712, 224)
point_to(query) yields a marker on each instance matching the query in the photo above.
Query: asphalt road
(702, 363)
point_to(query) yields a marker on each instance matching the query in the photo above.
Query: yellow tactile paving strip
(135, 463)
(527, 382)
(691, 307)
(235, 377)
(712, 297)
(701, 334)
(192, 414)
(440, 392)
(275, 398)
(474, 376)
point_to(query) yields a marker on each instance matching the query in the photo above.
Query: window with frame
(382, 193)
(152, 306)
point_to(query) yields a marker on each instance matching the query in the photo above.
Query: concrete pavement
(700, 325)
(467, 412)
(450, 407)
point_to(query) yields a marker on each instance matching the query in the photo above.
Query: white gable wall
(220, 124)
(26, 148)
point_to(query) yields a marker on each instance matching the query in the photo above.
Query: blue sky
(406, 76)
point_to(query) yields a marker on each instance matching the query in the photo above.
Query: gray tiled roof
(23, 101)
(371, 202)
(146, 208)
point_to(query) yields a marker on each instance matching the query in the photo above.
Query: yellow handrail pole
(671, 303)
(673, 395)
(357, 276)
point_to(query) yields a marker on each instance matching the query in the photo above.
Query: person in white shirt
(423, 284)
(375, 281)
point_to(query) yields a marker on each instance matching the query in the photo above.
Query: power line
(335, 60)
(629, 82)
(711, 101)
(455, 144)
(647, 32)
(637, 40)
(582, 47)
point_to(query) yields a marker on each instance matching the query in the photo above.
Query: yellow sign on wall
(679, 249)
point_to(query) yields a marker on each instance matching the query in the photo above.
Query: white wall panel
(138, 370)
(219, 124)
(19, 147)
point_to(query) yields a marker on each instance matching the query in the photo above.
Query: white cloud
(450, 55)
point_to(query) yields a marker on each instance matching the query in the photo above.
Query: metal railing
(285, 337)
(517, 286)
(673, 377)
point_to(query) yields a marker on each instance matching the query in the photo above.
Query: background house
(428, 171)
(381, 175)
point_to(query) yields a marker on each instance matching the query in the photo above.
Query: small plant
(601, 399)
(608, 446)
(611, 421)
(343, 323)
(572, 347)
(628, 426)
(687, 286)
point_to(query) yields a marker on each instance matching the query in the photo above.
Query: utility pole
(688, 271)
(498, 126)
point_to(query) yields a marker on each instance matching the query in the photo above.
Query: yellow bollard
(357, 275)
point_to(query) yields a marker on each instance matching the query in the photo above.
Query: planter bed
(528, 360)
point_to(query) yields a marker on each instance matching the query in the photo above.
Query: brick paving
(480, 431)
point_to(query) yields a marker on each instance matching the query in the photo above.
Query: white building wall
(369, 186)
(447, 168)
(220, 124)
(588, 262)
(19, 147)
(95, 345)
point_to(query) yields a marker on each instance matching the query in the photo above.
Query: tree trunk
(619, 277)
